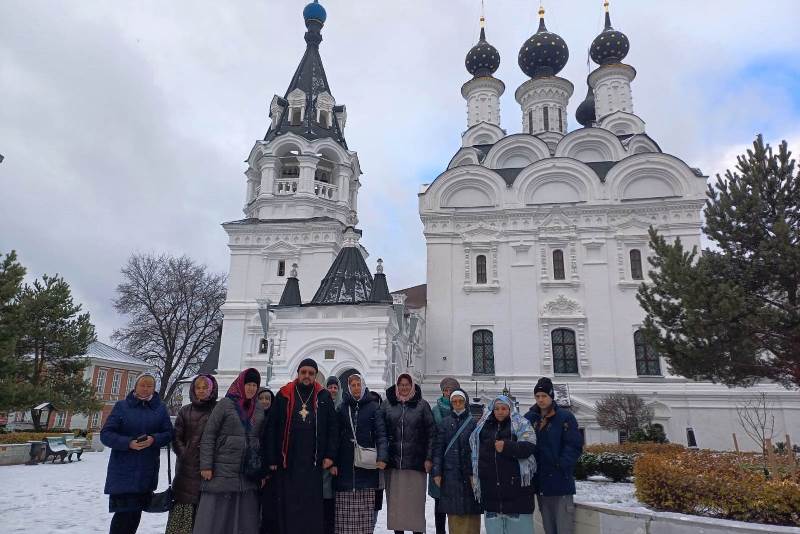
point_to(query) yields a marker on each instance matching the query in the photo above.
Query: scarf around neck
(522, 430)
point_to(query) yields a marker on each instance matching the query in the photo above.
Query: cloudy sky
(124, 124)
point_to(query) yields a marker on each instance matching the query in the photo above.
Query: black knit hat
(308, 362)
(252, 377)
(331, 381)
(545, 385)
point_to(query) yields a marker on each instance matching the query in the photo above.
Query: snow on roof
(100, 350)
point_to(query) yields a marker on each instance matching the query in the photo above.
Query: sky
(124, 125)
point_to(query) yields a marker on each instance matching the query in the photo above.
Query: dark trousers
(328, 516)
(402, 531)
(441, 519)
(125, 522)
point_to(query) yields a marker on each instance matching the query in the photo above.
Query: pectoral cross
(303, 412)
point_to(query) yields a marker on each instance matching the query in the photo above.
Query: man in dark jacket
(301, 441)
(559, 445)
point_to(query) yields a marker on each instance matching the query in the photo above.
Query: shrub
(24, 437)
(716, 485)
(635, 448)
(587, 466)
(650, 433)
(616, 466)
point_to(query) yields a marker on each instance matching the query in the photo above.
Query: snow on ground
(68, 499)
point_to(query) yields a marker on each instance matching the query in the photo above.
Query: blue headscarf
(520, 427)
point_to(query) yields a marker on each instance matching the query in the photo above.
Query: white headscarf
(363, 386)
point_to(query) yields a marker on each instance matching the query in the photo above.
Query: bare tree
(625, 412)
(173, 309)
(757, 420)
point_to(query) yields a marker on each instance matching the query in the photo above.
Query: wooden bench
(57, 448)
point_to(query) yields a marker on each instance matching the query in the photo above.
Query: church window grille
(530, 121)
(560, 121)
(636, 264)
(480, 269)
(565, 351)
(330, 354)
(482, 352)
(558, 265)
(281, 267)
(647, 361)
(546, 118)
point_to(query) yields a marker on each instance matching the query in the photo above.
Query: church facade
(536, 244)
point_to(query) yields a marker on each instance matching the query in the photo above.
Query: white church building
(536, 245)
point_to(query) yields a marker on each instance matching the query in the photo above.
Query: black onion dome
(483, 59)
(611, 46)
(544, 54)
(585, 113)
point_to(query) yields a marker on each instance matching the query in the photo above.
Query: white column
(536, 95)
(483, 100)
(612, 89)
(267, 167)
(308, 166)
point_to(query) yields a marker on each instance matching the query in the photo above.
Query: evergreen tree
(731, 314)
(11, 275)
(53, 336)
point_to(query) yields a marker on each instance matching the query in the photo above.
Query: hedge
(616, 461)
(716, 485)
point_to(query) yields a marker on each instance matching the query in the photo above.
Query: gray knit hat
(449, 382)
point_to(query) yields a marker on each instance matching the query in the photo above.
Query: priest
(300, 442)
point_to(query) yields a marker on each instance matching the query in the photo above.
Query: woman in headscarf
(410, 430)
(452, 468)
(135, 431)
(269, 496)
(229, 501)
(189, 426)
(502, 445)
(360, 423)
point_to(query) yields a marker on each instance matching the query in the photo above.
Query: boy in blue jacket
(558, 447)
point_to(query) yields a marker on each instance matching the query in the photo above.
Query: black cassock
(310, 442)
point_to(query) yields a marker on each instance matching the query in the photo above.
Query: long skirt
(355, 512)
(464, 524)
(226, 512)
(181, 519)
(508, 524)
(405, 499)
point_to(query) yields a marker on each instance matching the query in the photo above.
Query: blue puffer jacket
(558, 447)
(131, 471)
(371, 432)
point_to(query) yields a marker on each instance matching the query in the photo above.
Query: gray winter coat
(223, 445)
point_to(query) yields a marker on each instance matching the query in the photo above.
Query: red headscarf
(244, 406)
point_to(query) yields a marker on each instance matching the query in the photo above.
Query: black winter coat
(327, 429)
(456, 495)
(371, 432)
(410, 429)
(501, 488)
(189, 426)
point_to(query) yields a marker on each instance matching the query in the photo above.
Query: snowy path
(68, 499)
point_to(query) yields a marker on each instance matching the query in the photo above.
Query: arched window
(546, 118)
(482, 352)
(480, 269)
(647, 362)
(565, 352)
(636, 264)
(558, 265)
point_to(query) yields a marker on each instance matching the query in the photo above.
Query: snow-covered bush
(717, 485)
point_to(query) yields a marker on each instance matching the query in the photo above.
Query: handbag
(252, 464)
(162, 502)
(363, 457)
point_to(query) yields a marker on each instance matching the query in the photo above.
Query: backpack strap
(458, 433)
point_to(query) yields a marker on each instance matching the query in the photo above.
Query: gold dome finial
(483, 15)
(541, 11)
(605, 5)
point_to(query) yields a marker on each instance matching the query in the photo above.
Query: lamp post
(263, 314)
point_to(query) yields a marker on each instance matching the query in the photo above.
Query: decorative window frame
(477, 242)
(564, 312)
(325, 103)
(625, 244)
(297, 99)
(570, 249)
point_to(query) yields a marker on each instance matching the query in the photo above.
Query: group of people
(318, 460)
